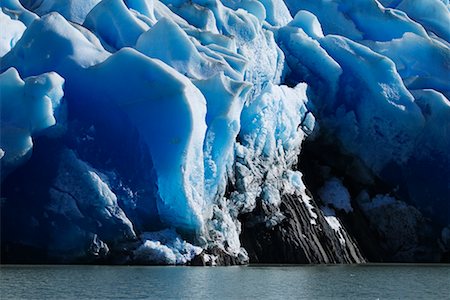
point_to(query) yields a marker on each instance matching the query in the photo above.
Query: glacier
(221, 132)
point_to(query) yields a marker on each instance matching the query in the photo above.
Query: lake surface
(249, 282)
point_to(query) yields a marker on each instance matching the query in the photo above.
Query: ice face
(184, 114)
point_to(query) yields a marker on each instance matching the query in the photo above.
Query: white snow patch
(334, 223)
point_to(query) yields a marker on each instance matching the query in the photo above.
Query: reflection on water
(252, 282)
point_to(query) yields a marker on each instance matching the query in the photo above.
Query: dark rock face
(395, 231)
(297, 240)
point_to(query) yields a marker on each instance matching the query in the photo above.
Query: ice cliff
(224, 131)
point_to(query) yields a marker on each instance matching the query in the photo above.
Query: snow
(335, 224)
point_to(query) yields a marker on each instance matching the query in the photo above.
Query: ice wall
(180, 116)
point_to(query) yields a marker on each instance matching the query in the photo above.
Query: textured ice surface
(186, 114)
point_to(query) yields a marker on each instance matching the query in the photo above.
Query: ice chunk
(270, 140)
(165, 247)
(310, 63)
(277, 13)
(335, 193)
(71, 10)
(175, 48)
(323, 9)
(145, 8)
(53, 44)
(16, 11)
(114, 24)
(434, 15)
(27, 107)
(79, 192)
(273, 119)
(421, 62)
(309, 23)
(11, 32)
(168, 112)
(367, 20)
(254, 7)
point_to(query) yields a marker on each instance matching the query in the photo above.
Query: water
(251, 282)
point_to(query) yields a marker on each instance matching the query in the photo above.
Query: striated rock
(297, 239)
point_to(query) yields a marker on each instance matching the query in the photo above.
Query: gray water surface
(250, 282)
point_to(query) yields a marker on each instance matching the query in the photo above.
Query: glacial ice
(218, 97)
(71, 10)
(27, 108)
(336, 194)
(165, 247)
